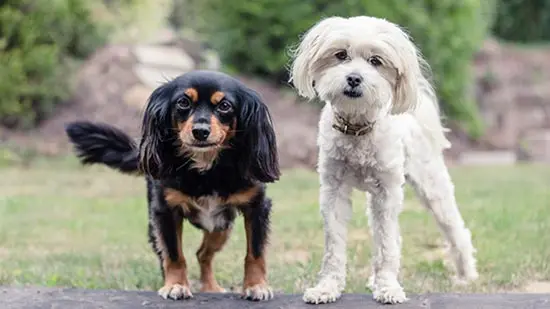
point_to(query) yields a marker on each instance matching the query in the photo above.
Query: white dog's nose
(354, 80)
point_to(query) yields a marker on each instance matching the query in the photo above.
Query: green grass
(65, 225)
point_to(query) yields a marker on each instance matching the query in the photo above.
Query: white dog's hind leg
(384, 222)
(433, 184)
(335, 203)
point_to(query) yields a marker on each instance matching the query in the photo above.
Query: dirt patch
(537, 287)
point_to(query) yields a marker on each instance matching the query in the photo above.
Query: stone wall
(513, 90)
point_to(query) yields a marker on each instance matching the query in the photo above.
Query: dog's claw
(259, 292)
(389, 295)
(175, 292)
(320, 296)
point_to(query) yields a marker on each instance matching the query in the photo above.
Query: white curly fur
(405, 145)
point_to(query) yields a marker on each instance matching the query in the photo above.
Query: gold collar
(343, 125)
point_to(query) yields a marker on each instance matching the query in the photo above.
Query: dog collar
(343, 125)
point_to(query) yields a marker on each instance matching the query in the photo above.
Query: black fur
(259, 160)
(260, 216)
(249, 160)
(101, 143)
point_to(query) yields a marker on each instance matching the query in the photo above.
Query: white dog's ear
(305, 55)
(408, 78)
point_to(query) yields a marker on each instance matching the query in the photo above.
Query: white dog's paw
(175, 291)
(389, 294)
(321, 295)
(258, 292)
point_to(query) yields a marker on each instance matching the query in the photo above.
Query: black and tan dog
(207, 149)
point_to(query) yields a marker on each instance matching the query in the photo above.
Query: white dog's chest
(362, 178)
(354, 151)
(363, 151)
(367, 165)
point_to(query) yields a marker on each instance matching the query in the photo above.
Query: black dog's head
(199, 115)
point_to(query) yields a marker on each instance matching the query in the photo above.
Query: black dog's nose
(354, 80)
(200, 133)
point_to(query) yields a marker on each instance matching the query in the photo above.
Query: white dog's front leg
(335, 204)
(384, 221)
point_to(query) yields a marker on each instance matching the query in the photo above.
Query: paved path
(50, 298)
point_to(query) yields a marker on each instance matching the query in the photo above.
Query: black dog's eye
(224, 106)
(341, 55)
(183, 103)
(375, 61)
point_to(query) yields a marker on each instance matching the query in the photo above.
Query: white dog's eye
(341, 55)
(375, 61)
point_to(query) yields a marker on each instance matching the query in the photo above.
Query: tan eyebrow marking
(217, 97)
(193, 94)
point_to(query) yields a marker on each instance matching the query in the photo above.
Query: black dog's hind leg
(165, 232)
(256, 221)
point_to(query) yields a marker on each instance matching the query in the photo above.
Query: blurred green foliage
(40, 41)
(523, 21)
(131, 21)
(253, 37)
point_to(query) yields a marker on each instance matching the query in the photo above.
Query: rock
(162, 36)
(502, 128)
(536, 145)
(137, 96)
(533, 117)
(153, 77)
(164, 56)
(538, 287)
(211, 60)
(488, 158)
(490, 47)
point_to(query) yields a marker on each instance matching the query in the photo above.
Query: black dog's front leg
(165, 235)
(256, 221)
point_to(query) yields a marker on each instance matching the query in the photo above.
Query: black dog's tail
(102, 143)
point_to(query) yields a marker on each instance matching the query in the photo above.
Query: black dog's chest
(205, 198)
(215, 183)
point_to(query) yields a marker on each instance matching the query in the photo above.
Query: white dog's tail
(428, 116)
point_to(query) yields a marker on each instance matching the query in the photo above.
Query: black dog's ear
(157, 139)
(259, 158)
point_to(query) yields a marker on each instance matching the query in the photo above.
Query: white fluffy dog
(380, 127)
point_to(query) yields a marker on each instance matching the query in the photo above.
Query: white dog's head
(358, 64)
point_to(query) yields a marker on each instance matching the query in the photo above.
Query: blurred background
(69, 59)
(62, 60)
